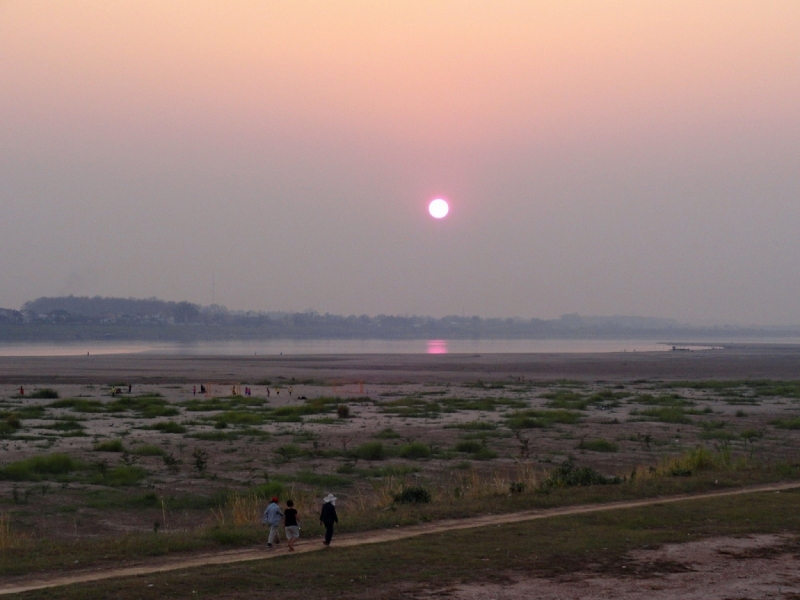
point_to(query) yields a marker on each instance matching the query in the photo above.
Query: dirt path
(359, 539)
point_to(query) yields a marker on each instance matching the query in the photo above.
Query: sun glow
(438, 208)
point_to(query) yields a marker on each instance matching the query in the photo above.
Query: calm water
(273, 347)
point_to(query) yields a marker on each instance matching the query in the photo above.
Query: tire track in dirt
(359, 539)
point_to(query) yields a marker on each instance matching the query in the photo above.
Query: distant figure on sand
(291, 524)
(130, 388)
(273, 515)
(194, 390)
(21, 391)
(202, 389)
(328, 517)
(267, 392)
(290, 392)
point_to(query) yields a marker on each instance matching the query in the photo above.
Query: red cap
(274, 498)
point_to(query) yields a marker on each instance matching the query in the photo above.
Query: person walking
(273, 515)
(291, 524)
(328, 517)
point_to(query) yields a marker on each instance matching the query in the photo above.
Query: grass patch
(787, 423)
(169, 427)
(474, 426)
(417, 408)
(290, 451)
(224, 403)
(319, 480)
(388, 471)
(44, 394)
(666, 414)
(387, 434)
(238, 417)
(567, 474)
(119, 476)
(37, 468)
(532, 418)
(370, 451)
(451, 405)
(415, 451)
(468, 446)
(146, 406)
(672, 400)
(70, 424)
(599, 445)
(80, 405)
(570, 400)
(24, 412)
(149, 450)
(109, 446)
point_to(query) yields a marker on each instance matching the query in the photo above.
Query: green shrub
(169, 427)
(148, 406)
(44, 393)
(268, 489)
(568, 475)
(121, 475)
(598, 445)
(468, 446)
(413, 495)
(788, 423)
(290, 451)
(476, 426)
(10, 424)
(370, 451)
(82, 405)
(109, 446)
(484, 453)
(415, 451)
(68, 424)
(343, 411)
(667, 414)
(387, 434)
(529, 419)
(149, 450)
(40, 467)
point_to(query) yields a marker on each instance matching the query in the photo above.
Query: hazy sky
(603, 157)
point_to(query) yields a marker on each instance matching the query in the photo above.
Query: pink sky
(611, 149)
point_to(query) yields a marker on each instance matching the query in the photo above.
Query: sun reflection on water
(437, 346)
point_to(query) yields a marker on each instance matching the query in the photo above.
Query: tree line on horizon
(94, 314)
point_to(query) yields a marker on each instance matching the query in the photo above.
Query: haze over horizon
(617, 158)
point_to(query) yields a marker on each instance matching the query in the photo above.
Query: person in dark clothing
(328, 517)
(291, 524)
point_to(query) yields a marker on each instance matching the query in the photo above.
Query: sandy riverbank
(730, 362)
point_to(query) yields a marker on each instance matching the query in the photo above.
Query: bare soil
(725, 568)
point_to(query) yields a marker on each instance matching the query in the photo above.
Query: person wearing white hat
(328, 517)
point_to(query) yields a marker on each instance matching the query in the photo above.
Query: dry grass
(691, 462)
(10, 539)
(474, 484)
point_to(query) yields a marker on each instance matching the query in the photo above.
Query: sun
(438, 208)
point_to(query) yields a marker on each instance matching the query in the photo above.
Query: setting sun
(438, 208)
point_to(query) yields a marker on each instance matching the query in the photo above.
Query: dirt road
(371, 537)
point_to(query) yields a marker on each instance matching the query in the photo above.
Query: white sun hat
(330, 498)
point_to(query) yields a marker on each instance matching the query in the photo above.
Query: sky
(600, 157)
